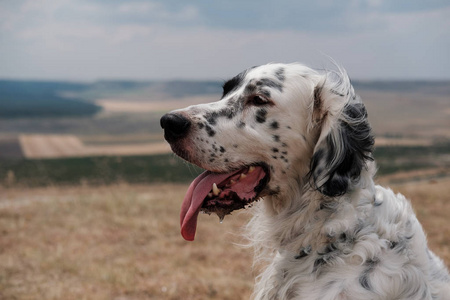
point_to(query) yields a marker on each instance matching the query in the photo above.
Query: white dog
(300, 140)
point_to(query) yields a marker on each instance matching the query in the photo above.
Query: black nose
(175, 126)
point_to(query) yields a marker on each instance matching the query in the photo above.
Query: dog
(296, 144)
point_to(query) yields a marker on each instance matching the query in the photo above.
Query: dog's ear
(345, 142)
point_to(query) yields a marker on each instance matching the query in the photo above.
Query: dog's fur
(325, 230)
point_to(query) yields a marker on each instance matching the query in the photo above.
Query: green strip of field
(392, 159)
(96, 170)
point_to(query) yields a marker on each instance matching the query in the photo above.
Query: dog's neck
(307, 219)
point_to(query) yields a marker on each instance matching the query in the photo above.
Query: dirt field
(407, 114)
(47, 146)
(57, 146)
(122, 242)
(125, 105)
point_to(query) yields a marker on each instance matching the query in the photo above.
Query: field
(90, 198)
(95, 171)
(401, 113)
(56, 146)
(123, 242)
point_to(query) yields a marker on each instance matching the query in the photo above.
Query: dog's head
(276, 127)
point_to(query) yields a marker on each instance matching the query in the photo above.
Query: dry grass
(119, 242)
(49, 146)
(123, 242)
(431, 204)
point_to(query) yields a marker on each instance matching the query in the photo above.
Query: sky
(86, 40)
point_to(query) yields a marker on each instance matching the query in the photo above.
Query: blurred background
(89, 191)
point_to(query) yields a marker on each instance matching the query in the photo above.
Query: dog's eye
(258, 100)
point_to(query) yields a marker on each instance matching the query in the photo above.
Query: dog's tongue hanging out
(219, 193)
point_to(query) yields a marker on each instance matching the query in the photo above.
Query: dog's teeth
(232, 182)
(251, 169)
(215, 189)
(210, 195)
(242, 176)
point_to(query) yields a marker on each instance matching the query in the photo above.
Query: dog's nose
(175, 126)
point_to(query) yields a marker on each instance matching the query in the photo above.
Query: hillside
(34, 99)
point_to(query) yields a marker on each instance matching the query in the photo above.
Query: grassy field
(123, 242)
(95, 170)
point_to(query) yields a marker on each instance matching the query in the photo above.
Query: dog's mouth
(221, 193)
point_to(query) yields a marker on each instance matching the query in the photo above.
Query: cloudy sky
(205, 39)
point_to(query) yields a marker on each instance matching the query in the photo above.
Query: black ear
(343, 150)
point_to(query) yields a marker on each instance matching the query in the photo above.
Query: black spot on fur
(284, 152)
(274, 125)
(393, 245)
(233, 84)
(303, 252)
(250, 88)
(265, 93)
(261, 115)
(318, 263)
(235, 145)
(270, 83)
(227, 112)
(211, 160)
(210, 131)
(364, 279)
(211, 117)
(331, 247)
(276, 138)
(275, 150)
(337, 93)
(241, 124)
(200, 125)
(225, 160)
(280, 74)
(222, 149)
(400, 245)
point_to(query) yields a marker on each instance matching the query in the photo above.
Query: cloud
(155, 9)
(172, 39)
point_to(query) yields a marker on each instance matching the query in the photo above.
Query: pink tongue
(193, 200)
